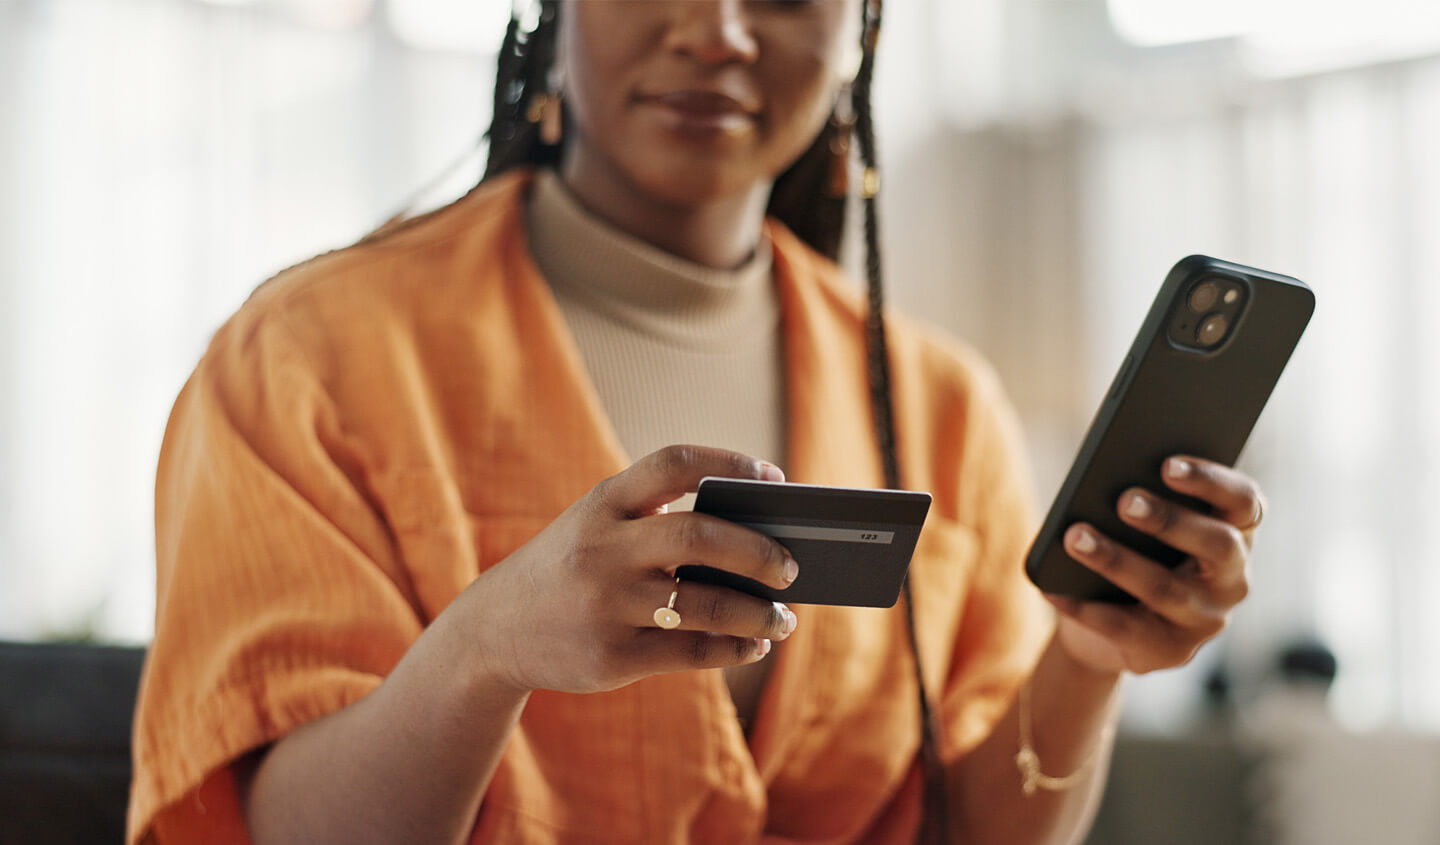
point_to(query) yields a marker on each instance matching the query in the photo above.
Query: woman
(410, 579)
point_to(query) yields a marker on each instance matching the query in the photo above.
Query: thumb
(667, 474)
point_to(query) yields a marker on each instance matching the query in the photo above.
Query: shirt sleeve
(1006, 623)
(280, 597)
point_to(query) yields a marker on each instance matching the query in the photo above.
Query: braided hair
(802, 200)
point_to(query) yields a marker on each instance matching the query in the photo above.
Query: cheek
(597, 54)
(805, 62)
(803, 90)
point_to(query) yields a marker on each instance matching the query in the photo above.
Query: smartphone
(1194, 382)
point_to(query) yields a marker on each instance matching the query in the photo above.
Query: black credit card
(853, 545)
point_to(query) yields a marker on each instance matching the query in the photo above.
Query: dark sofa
(65, 742)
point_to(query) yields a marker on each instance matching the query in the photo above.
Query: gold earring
(842, 130)
(870, 183)
(546, 110)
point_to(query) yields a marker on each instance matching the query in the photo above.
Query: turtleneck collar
(589, 260)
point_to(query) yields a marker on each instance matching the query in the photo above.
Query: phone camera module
(1203, 296)
(1205, 312)
(1212, 330)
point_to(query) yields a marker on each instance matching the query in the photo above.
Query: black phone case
(1168, 400)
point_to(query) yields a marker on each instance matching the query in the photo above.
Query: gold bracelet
(1032, 778)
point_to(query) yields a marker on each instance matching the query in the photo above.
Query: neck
(720, 233)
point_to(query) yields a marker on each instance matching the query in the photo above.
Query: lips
(702, 102)
(703, 110)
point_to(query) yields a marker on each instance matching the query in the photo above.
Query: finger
(1218, 547)
(655, 651)
(1147, 641)
(1235, 496)
(1163, 591)
(667, 474)
(718, 610)
(675, 539)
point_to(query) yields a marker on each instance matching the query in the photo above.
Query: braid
(875, 325)
(508, 93)
(521, 75)
(934, 818)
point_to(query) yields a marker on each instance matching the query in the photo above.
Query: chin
(694, 182)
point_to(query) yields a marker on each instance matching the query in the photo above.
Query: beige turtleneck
(678, 352)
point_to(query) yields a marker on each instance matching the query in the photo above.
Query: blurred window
(160, 159)
(1286, 37)
(1329, 176)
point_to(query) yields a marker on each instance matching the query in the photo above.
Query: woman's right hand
(573, 609)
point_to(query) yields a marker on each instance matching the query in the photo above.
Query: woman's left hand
(1179, 609)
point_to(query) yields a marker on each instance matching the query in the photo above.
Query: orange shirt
(377, 426)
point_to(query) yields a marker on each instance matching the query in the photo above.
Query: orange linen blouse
(378, 425)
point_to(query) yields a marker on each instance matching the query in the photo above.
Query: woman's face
(693, 100)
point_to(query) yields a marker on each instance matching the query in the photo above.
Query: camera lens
(1203, 296)
(1212, 330)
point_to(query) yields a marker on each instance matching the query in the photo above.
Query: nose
(714, 32)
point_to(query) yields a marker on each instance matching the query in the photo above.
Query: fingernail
(790, 622)
(1084, 541)
(791, 572)
(768, 471)
(1137, 507)
(763, 648)
(1178, 468)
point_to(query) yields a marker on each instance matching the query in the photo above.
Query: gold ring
(666, 617)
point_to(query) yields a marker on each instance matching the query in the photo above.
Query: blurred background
(1045, 162)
